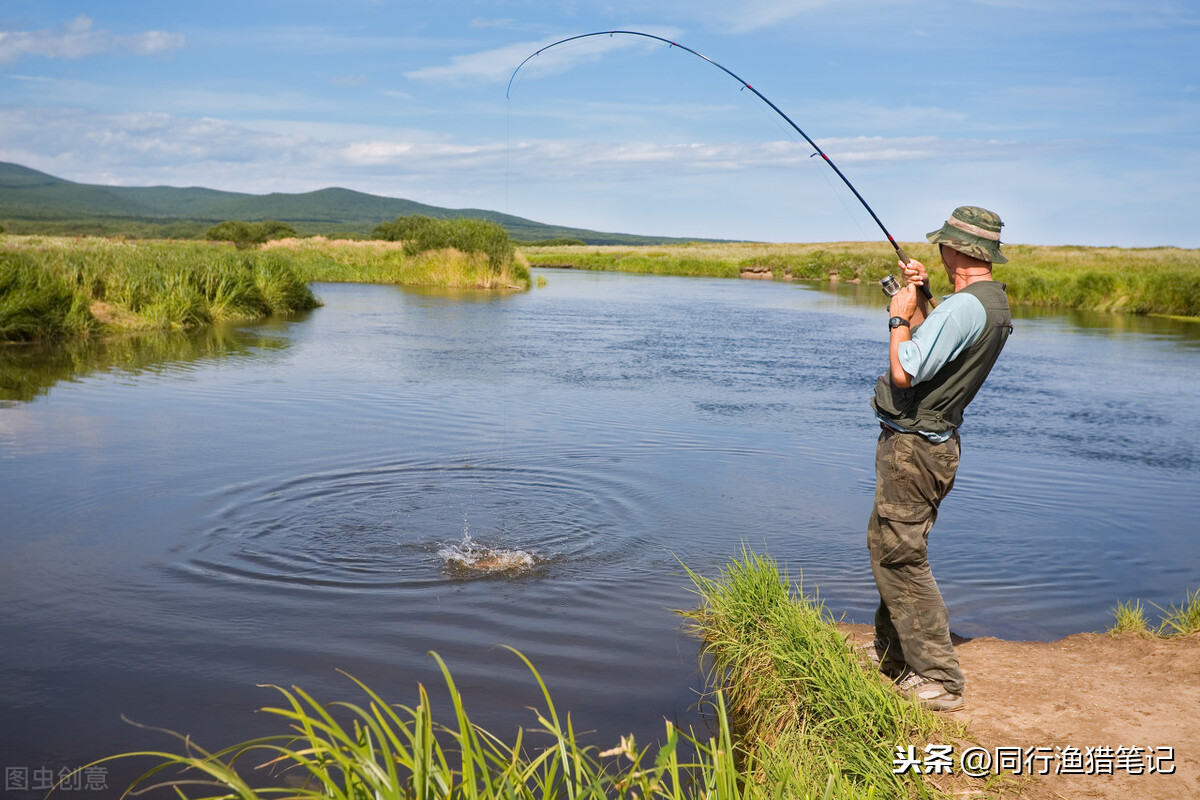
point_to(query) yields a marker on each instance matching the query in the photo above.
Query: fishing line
(507, 156)
(856, 219)
(819, 152)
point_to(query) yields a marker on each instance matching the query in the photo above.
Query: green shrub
(466, 236)
(245, 235)
(401, 228)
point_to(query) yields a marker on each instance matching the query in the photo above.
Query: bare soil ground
(1091, 690)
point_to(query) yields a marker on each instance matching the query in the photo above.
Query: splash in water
(469, 555)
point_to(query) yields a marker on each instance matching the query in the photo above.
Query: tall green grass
(848, 261)
(1129, 618)
(377, 751)
(1181, 620)
(377, 261)
(1160, 280)
(53, 288)
(793, 684)
(36, 303)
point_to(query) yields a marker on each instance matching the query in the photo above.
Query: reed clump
(793, 683)
(57, 287)
(1129, 618)
(378, 751)
(1181, 620)
(36, 303)
(1161, 280)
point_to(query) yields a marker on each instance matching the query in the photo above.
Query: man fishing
(938, 360)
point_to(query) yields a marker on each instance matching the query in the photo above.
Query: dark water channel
(185, 517)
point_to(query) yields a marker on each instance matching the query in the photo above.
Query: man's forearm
(900, 378)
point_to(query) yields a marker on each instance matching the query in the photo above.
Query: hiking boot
(890, 667)
(928, 692)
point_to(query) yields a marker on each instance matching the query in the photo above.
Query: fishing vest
(936, 405)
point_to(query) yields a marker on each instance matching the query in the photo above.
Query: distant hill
(35, 202)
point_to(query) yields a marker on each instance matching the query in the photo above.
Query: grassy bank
(58, 287)
(53, 288)
(349, 261)
(1162, 281)
(792, 683)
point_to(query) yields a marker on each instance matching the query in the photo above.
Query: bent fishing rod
(899, 250)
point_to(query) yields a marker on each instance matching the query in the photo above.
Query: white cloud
(682, 188)
(78, 39)
(151, 42)
(137, 145)
(498, 65)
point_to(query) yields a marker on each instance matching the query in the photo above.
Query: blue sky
(1078, 122)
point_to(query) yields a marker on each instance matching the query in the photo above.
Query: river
(186, 517)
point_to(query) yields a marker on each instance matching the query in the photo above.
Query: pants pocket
(901, 533)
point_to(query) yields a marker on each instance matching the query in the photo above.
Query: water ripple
(409, 524)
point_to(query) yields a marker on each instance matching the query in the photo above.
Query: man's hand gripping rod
(890, 285)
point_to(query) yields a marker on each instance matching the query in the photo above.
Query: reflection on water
(30, 370)
(405, 471)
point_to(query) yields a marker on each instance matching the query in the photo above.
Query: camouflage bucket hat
(974, 231)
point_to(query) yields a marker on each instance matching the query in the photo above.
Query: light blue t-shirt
(949, 330)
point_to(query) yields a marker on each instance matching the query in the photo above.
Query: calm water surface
(187, 517)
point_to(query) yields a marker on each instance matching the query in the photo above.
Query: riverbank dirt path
(1126, 704)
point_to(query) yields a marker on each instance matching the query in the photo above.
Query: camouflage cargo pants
(912, 476)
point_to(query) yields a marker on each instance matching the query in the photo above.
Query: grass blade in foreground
(378, 751)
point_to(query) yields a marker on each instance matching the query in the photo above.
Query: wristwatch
(896, 322)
